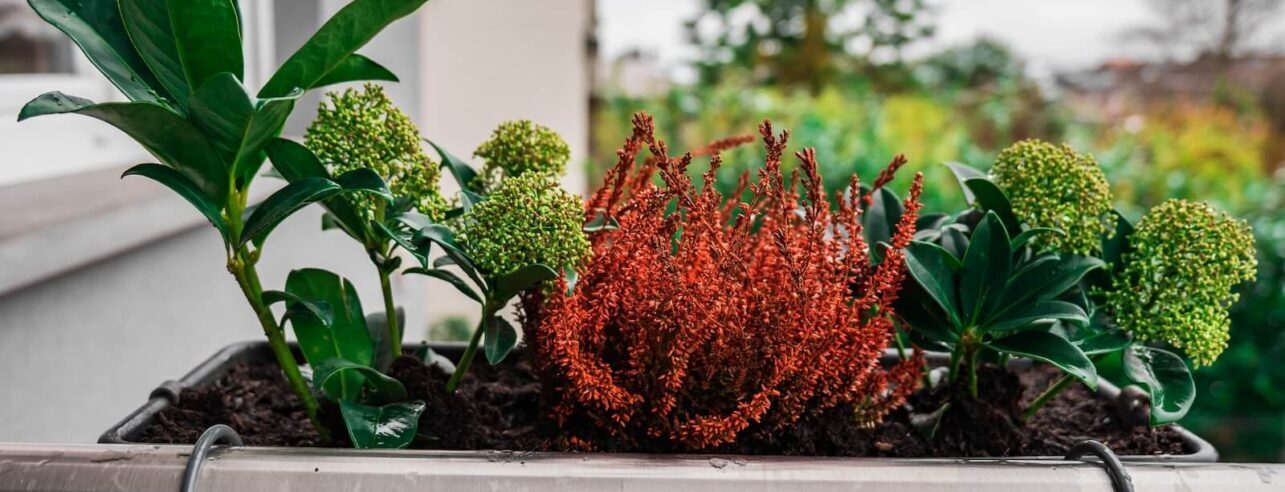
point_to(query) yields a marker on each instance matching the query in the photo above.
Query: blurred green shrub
(451, 329)
(1195, 152)
(853, 130)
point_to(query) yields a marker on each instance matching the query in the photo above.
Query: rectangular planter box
(258, 352)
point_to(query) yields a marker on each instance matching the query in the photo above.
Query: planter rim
(126, 430)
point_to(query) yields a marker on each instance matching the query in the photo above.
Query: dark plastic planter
(258, 352)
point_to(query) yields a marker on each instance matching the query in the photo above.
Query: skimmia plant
(363, 131)
(1076, 276)
(505, 238)
(519, 147)
(179, 63)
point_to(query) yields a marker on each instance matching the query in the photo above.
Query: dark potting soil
(498, 408)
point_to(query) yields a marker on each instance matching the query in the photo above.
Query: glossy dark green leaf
(346, 337)
(354, 68)
(1026, 236)
(365, 180)
(963, 173)
(954, 241)
(1023, 316)
(419, 251)
(443, 262)
(316, 307)
(150, 28)
(185, 188)
(468, 199)
(991, 199)
(986, 266)
(450, 278)
(443, 236)
(880, 220)
(97, 28)
(1046, 278)
(415, 220)
(284, 202)
(329, 49)
(460, 170)
(935, 271)
(295, 162)
(930, 325)
(381, 387)
(1103, 343)
(500, 338)
(511, 284)
(1166, 378)
(931, 221)
(207, 36)
(392, 426)
(176, 142)
(238, 127)
(1050, 348)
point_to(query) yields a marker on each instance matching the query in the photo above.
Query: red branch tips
(695, 325)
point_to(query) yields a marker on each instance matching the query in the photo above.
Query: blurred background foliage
(1208, 124)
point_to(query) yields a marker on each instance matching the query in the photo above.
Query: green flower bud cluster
(525, 220)
(363, 129)
(1176, 284)
(518, 147)
(1051, 186)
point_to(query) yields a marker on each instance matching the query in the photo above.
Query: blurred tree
(803, 43)
(1223, 29)
(985, 61)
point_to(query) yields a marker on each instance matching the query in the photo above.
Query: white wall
(80, 350)
(486, 62)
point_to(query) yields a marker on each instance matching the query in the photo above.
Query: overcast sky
(1052, 34)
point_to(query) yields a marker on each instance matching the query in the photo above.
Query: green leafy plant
(179, 64)
(986, 293)
(1179, 269)
(349, 354)
(1169, 282)
(363, 131)
(516, 238)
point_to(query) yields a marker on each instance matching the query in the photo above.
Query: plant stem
(247, 277)
(972, 380)
(955, 358)
(1047, 396)
(390, 311)
(971, 362)
(470, 353)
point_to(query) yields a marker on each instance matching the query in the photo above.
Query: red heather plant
(693, 326)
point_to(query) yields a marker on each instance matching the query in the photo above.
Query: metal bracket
(211, 436)
(168, 390)
(1120, 480)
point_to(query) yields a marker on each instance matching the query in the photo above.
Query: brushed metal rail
(86, 467)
